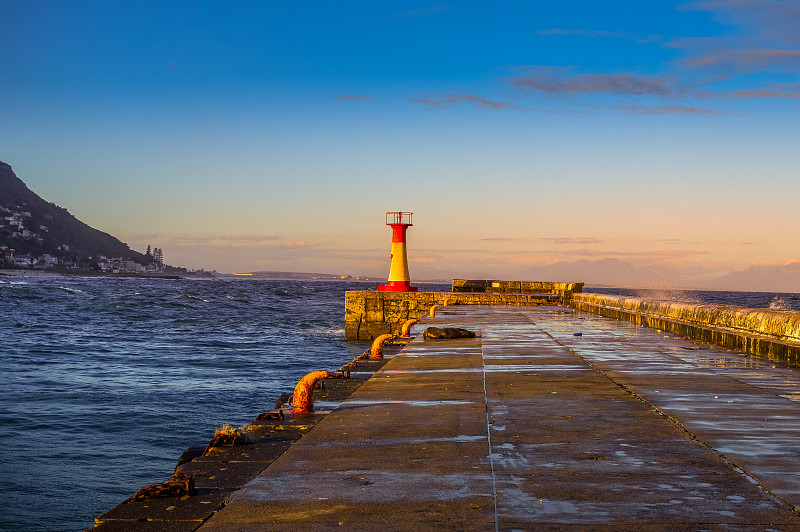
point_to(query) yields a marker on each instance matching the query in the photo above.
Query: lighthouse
(399, 280)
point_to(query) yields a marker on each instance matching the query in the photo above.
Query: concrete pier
(552, 419)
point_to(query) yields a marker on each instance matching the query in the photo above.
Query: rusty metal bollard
(303, 399)
(405, 332)
(377, 346)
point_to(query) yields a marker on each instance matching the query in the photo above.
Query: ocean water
(105, 381)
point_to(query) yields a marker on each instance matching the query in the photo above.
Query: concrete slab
(532, 427)
(190, 512)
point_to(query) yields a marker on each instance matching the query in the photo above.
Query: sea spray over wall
(778, 323)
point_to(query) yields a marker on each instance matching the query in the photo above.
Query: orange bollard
(377, 346)
(405, 332)
(303, 401)
(433, 311)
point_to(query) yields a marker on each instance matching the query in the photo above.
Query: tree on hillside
(148, 254)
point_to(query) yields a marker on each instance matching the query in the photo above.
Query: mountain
(757, 277)
(604, 271)
(29, 224)
(761, 278)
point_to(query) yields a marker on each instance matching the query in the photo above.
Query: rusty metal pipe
(433, 311)
(377, 346)
(303, 399)
(405, 332)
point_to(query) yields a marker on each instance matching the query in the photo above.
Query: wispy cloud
(585, 252)
(217, 240)
(668, 110)
(764, 93)
(354, 98)
(563, 81)
(746, 61)
(764, 39)
(300, 244)
(602, 34)
(767, 19)
(442, 101)
(570, 240)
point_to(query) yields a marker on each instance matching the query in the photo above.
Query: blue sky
(274, 135)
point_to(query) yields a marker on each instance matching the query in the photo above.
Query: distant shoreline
(46, 273)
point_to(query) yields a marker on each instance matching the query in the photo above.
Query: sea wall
(773, 334)
(565, 290)
(369, 314)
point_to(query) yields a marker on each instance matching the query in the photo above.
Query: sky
(264, 135)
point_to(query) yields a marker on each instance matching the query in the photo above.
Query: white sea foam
(73, 290)
(778, 303)
(327, 331)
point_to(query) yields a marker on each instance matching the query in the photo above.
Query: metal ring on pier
(405, 332)
(303, 399)
(377, 346)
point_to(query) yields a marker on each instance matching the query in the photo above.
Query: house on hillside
(129, 266)
(23, 261)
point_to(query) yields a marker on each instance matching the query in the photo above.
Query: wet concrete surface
(530, 427)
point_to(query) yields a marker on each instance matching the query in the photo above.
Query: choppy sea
(105, 381)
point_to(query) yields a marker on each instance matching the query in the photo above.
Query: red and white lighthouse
(399, 280)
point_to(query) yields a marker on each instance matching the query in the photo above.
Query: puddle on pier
(493, 368)
(459, 438)
(324, 407)
(379, 402)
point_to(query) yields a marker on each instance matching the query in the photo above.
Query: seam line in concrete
(489, 439)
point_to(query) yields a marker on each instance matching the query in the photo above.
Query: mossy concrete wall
(369, 314)
(773, 334)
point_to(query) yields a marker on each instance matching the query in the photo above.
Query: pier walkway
(532, 427)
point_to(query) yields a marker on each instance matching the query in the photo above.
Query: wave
(72, 290)
(779, 303)
(331, 331)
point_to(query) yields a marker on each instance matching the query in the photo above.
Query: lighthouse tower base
(397, 286)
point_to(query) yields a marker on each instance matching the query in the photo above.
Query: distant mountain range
(762, 278)
(610, 271)
(31, 225)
